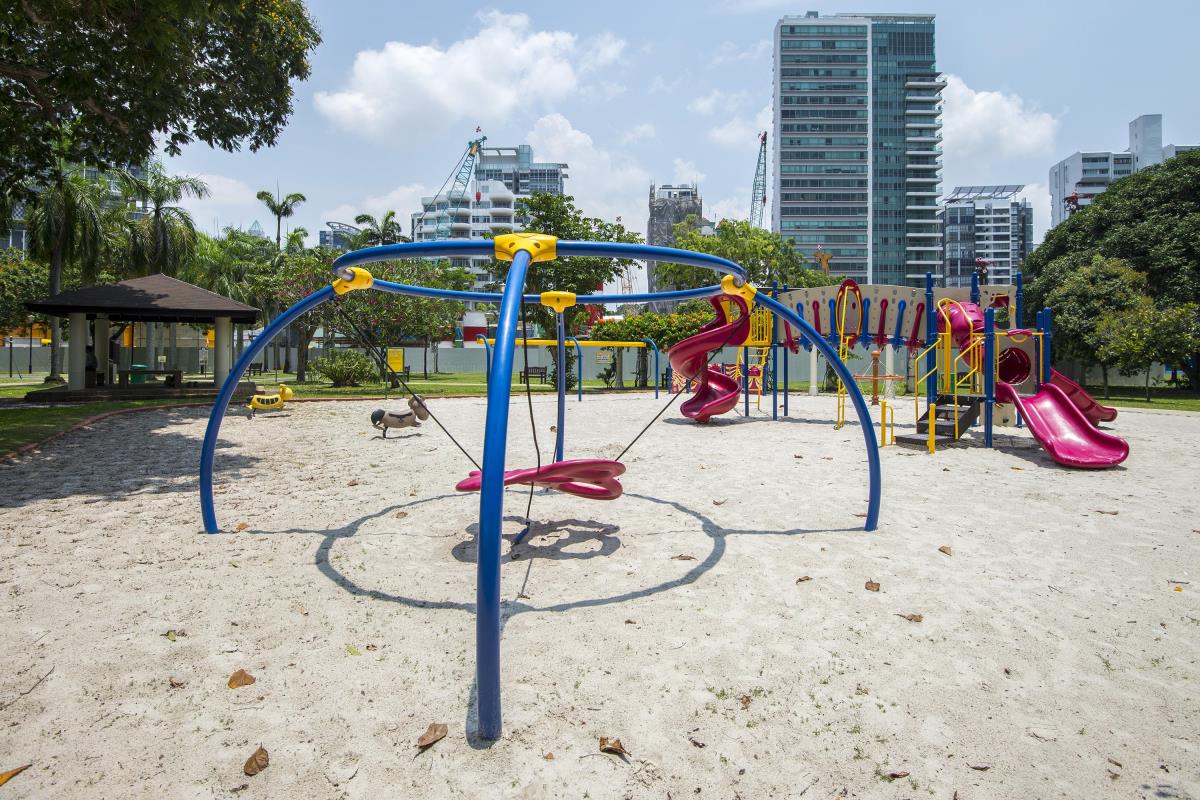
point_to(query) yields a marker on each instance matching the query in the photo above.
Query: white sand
(1053, 649)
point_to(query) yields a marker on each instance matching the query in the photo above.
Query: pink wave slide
(593, 478)
(715, 392)
(1067, 435)
(1082, 400)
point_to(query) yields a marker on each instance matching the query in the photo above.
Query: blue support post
(864, 326)
(1016, 318)
(989, 375)
(208, 449)
(931, 329)
(579, 364)
(491, 504)
(774, 359)
(654, 346)
(975, 287)
(560, 433)
(856, 397)
(1041, 353)
(487, 358)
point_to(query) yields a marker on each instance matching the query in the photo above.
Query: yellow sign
(395, 359)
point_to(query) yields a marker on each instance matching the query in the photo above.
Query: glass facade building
(857, 103)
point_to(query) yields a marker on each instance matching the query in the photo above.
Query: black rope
(529, 400)
(379, 356)
(675, 397)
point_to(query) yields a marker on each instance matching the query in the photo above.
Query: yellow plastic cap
(559, 301)
(361, 280)
(745, 291)
(540, 246)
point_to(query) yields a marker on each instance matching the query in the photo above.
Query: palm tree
(280, 207)
(64, 221)
(379, 231)
(165, 235)
(295, 239)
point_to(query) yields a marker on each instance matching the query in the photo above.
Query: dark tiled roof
(155, 298)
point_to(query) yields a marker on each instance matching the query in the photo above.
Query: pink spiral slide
(715, 392)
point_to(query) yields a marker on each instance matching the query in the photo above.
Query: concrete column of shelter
(222, 349)
(77, 353)
(100, 338)
(813, 380)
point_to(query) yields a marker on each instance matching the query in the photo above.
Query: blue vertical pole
(1016, 319)
(975, 288)
(560, 432)
(1047, 335)
(774, 359)
(491, 504)
(1041, 352)
(786, 357)
(930, 338)
(651, 344)
(989, 375)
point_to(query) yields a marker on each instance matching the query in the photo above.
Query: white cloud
(714, 101)
(987, 124)
(687, 172)
(404, 200)
(231, 203)
(604, 184)
(729, 52)
(736, 207)
(506, 66)
(638, 132)
(739, 132)
(660, 85)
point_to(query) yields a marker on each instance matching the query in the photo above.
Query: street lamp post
(29, 322)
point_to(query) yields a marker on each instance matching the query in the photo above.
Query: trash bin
(137, 374)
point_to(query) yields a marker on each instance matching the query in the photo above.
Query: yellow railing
(918, 379)
(887, 424)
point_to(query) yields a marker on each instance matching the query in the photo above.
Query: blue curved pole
(856, 396)
(579, 364)
(654, 346)
(209, 448)
(487, 358)
(491, 504)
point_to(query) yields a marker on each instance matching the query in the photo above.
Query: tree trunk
(306, 335)
(619, 359)
(1148, 366)
(435, 356)
(1104, 377)
(56, 268)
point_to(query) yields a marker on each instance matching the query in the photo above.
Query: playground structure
(595, 478)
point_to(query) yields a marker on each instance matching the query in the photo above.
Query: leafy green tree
(280, 207)
(124, 77)
(766, 256)
(1104, 286)
(164, 237)
(665, 330)
(21, 280)
(386, 230)
(1149, 220)
(345, 368)
(1141, 335)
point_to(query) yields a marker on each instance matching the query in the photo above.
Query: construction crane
(758, 194)
(457, 180)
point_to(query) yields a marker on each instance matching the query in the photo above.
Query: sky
(631, 94)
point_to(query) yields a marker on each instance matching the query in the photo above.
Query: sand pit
(1053, 657)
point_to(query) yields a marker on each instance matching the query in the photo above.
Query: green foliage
(21, 280)
(386, 230)
(1141, 335)
(120, 77)
(280, 207)
(345, 368)
(163, 238)
(665, 330)
(1104, 286)
(766, 256)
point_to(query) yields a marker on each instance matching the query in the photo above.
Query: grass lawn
(1135, 397)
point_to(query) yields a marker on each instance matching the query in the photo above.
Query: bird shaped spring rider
(417, 413)
(270, 402)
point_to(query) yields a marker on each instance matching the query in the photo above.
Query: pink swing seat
(593, 478)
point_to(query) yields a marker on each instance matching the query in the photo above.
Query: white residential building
(986, 227)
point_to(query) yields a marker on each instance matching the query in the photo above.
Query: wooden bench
(254, 369)
(541, 373)
(174, 376)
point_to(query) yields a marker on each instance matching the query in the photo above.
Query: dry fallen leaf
(744, 700)
(241, 526)
(173, 634)
(683, 557)
(241, 678)
(696, 742)
(401, 514)
(257, 762)
(946, 549)
(911, 617)
(1116, 763)
(803, 578)
(5, 777)
(1018, 469)
(980, 767)
(797, 455)
(432, 735)
(352, 650)
(1109, 513)
(549, 756)
(612, 746)
(897, 775)
(372, 647)
(353, 482)
(554, 429)
(630, 622)
(175, 683)
(718, 502)
(872, 586)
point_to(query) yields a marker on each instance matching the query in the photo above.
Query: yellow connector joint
(745, 291)
(540, 246)
(559, 301)
(361, 280)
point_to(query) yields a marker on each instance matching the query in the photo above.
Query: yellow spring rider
(270, 402)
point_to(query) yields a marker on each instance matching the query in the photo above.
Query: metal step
(944, 427)
(922, 440)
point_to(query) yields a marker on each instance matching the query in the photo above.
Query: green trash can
(137, 373)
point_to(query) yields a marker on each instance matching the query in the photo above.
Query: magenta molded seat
(593, 478)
